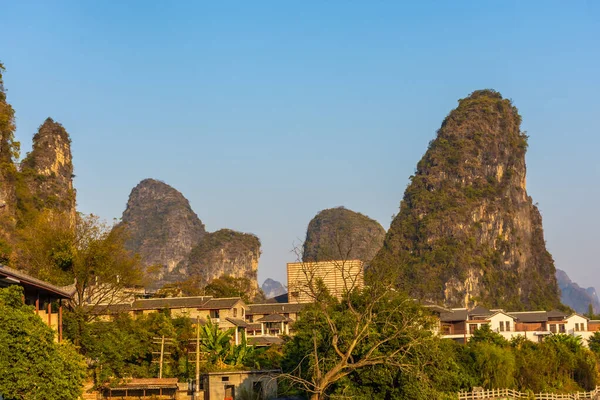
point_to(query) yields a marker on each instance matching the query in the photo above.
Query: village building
(231, 385)
(461, 323)
(339, 276)
(48, 300)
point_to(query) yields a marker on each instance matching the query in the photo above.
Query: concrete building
(230, 385)
(461, 323)
(338, 276)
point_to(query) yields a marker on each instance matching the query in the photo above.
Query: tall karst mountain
(467, 232)
(162, 226)
(47, 171)
(174, 245)
(342, 234)
(224, 252)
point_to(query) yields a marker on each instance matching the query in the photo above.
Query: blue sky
(262, 113)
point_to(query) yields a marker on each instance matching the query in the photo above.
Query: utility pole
(162, 353)
(197, 394)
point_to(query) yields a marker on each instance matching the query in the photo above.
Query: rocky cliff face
(162, 227)
(341, 234)
(47, 171)
(224, 252)
(576, 297)
(175, 247)
(467, 232)
(8, 199)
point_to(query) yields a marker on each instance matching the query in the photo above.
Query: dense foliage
(341, 234)
(466, 226)
(33, 365)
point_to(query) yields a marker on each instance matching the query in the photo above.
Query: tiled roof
(237, 322)
(530, 316)
(220, 304)
(264, 340)
(253, 327)
(274, 308)
(21, 277)
(557, 314)
(454, 315)
(170, 302)
(146, 383)
(274, 318)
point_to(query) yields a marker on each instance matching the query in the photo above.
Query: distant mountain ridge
(575, 296)
(272, 288)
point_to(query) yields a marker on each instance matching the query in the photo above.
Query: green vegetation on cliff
(467, 232)
(341, 234)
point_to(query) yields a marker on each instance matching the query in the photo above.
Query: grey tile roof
(530, 316)
(24, 278)
(454, 315)
(253, 326)
(274, 318)
(170, 302)
(220, 304)
(237, 322)
(273, 308)
(264, 340)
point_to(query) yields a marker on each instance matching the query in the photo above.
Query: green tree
(215, 343)
(33, 365)
(229, 286)
(91, 255)
(594, 343)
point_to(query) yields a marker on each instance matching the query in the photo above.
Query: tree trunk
(315, 396)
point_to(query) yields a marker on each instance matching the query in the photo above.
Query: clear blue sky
(262, 113)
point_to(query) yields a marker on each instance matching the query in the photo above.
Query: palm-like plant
(215, 343)
(574, 343)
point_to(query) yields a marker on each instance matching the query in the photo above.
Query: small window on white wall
(501, 326)
(507, 324)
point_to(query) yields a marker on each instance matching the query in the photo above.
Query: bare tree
(363, 326)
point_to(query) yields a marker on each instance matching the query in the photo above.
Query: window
(576, 326)
(553, 328)
(561, 328)
(214, 313)
(224, 379)
(250, 318)
(234, 312)
(507, 324)
(472, 328)
(501, 326)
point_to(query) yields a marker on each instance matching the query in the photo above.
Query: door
(229, 392)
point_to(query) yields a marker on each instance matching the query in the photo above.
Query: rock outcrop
(272, 288)
(47, 171)
(224, 252)
(576, 297)
(341, 234)
(8, 199)
(174, 245)
(467, 232)
(162, 227)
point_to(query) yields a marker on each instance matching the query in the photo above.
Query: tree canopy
(33, 365)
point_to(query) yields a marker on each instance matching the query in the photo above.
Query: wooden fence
(509, 394)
